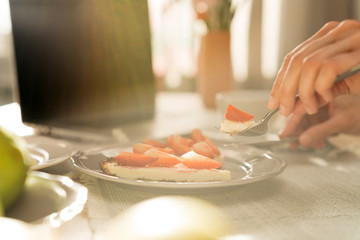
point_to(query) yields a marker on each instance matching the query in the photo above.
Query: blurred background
(262, 32)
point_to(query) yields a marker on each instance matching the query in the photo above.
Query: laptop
(83, 64)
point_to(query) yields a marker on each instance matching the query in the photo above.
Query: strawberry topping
(236, 115)
(134, 159)
(194, 160)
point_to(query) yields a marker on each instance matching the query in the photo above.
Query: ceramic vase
(214, 66)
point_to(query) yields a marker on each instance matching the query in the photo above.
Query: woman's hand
(340, 116)
(311, 68)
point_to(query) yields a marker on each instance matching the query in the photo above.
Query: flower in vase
(216, 14)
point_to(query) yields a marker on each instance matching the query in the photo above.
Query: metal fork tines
(260, 128)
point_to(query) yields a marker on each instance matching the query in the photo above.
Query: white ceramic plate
(49, 199)
(246, 164)
(46, 151)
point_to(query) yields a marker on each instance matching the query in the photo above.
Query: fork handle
(348, 74)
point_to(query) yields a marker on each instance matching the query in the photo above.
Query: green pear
(14, 159)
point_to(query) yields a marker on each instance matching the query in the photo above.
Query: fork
(261, 127)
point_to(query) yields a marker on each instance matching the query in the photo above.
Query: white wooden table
(316, 197)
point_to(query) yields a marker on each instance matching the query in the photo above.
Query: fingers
(314, 136)
(334, 67)
(338, 116)
(320, 55)
(274, 95)
(290, 71)
(299, 125)
(293, 126)
(352, 84)
(300, 107)
(312, 67)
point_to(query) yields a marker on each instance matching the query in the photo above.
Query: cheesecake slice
(177, 173)
(236, 120)
(181, 159)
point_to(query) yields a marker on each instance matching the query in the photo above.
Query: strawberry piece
(204, 149)
(236, 115)
(141, 148)
(180, 149)
(197, 135)
(165, 150)
(134, 159)
(169, 140)
(179, 144)
(164, 159)
(215, 150)
(193, 160)
(154, 143)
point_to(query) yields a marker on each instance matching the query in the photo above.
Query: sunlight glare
(13, 120)
(5, 24)
(158, 218)
(271, 22)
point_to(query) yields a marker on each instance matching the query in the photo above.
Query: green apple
(14, 159)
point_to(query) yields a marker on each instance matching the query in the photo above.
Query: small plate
(46, 151)
(246, 164)
(226, 138)
(49, 199)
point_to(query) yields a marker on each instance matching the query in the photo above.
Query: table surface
(316, 197)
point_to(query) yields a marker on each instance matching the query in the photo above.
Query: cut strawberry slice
(164, 159)
(134, 159)
(179, 144)
(193, 160)
(154, 143)
(215, 150)
(204, 149)
(142, 147)
(236, 115)
(197, 135)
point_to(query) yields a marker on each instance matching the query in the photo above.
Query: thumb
(315, 135)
